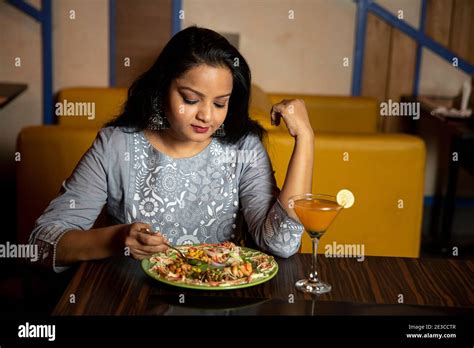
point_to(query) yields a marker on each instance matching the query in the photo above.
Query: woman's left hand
(295, 115)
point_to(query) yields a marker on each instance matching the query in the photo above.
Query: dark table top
(375, 286)
(9, 91)
(461, 127)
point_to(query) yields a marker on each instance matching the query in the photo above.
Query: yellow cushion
(338, 113)
(107, 102)
(261, 116)
(385, 173)
(49, 154)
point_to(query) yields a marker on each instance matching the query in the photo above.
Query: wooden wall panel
(376, 58)
(389, 65)
(401, 74)
(142, 29)
(462, 29)
(438, 20)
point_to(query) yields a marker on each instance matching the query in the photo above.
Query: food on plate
(223, 264)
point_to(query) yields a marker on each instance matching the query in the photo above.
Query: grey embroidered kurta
(199, 199)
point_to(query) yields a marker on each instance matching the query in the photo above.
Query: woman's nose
(204, 115)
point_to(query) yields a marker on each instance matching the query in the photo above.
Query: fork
(174, 248)
(181, 254)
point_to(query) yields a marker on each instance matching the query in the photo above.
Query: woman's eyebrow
(201, 94)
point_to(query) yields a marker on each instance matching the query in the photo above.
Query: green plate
(146, 265)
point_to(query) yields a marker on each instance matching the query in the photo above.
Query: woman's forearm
(99, 243)
(299, 175)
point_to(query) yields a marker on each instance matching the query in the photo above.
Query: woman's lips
(198, 129)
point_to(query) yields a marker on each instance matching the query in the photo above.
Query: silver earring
(220, 132)
(158, 120)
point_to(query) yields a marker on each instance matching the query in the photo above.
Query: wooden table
(376, 286)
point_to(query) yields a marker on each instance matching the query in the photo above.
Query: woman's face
(198, 102)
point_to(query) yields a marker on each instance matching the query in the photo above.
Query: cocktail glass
(316, 212)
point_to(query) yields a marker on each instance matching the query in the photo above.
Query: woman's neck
(165, 141)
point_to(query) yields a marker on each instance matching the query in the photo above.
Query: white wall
(81, 50)
(303, 55)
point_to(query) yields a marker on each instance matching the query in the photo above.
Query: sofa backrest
(338, 114)
(74, 105)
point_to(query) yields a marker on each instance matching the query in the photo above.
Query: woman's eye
(187, 101)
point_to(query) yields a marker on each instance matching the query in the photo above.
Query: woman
(183, 159)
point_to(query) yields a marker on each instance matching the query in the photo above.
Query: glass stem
(314, 271)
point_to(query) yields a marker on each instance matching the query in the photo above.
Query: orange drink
(316, 214)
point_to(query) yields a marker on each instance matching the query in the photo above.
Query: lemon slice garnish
(345, 198)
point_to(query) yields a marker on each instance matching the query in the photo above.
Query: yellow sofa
(108, 103)
(384, 171)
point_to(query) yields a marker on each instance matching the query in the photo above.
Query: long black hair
(189, 48)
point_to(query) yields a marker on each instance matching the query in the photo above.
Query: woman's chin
(198, 137)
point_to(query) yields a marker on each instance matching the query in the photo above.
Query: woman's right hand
(141, 242)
